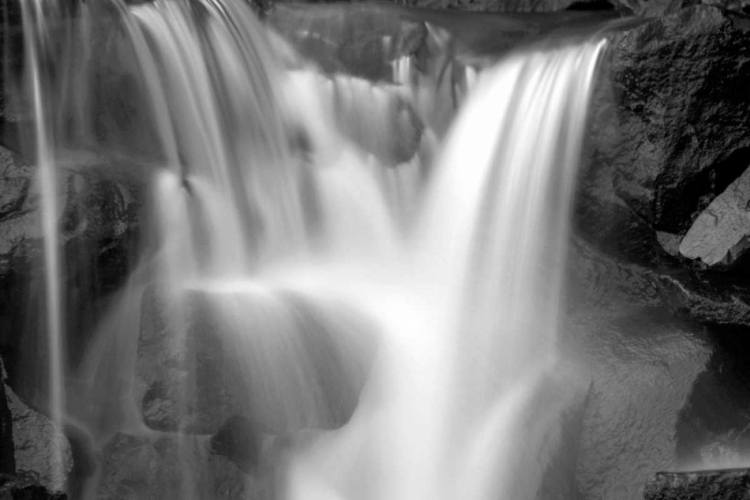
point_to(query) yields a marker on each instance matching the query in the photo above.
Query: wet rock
(7, 453)
(30, 444)
(510, 5)
(712, 431)
(238, 440)
(170, 467)
(733, 484)
(392, 130)
(652, 8)
(18, 488)
(707, 299)
(278, 360)
(721, 233)
(40, 448)
(656, 8)
(684, 113)
(98, 239)
(360, 40)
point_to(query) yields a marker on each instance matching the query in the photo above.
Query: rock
(652, 8)
(734, 5)
(238, 440)
(7, 452)
(657, 8)
(721, 232)
(17, 488)
(40, 448)
(281, 361)
(712, 431)
(169, 467)
(509, 5)
(706, 299)
(361, 40)
(98, 236)
(684, 113)
(731, 484)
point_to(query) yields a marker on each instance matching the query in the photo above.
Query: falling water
(38, 47)
(406, 310)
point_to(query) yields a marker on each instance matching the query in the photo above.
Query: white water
(270, 203)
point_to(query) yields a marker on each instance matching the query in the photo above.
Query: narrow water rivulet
(374, 305)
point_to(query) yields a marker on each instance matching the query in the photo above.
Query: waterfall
(392, 317)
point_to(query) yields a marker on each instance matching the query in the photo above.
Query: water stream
(387, 322)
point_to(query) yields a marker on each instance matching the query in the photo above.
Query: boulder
(721, 233)
(731, 484)
(707, 299)
(169, 467)
(683, 111)
(280, 361)
(40, 447)
(22, 488)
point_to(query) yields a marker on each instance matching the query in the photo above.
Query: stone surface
(278, 360)
(41, 449)
(98, 239)
(721, 232)
(652, 8)
(707, 299)
(19, 488)
(7, 452)
(170, 467)
(238, 440)
(360, 40)
(733, 484)
(684, 113)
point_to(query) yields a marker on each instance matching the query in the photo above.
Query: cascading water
(415, 323)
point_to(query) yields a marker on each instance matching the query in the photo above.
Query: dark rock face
(359, 40)
(239, 441)
(7, 455)
(684, 113)
(170, 468)
(16, 488)
(98, 238)
(505, 5)
(708, 300)
(733, 484)
(275, 360)
(40, 448)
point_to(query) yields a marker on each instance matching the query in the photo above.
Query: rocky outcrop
(732, 484)
(668, 186)
(656, 8)
(684, 114)
(98, 238)
(40, 448)
(30, 444)
(275, 359)
(18, 488)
